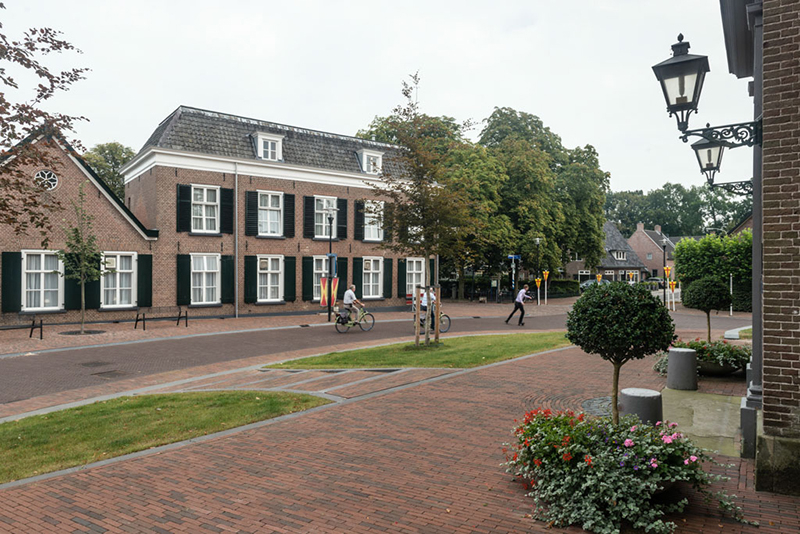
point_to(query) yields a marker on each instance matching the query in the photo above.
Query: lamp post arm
(734, 135)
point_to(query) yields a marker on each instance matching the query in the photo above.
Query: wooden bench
(161, 311)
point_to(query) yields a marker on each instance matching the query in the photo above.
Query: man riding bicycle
(349, 301)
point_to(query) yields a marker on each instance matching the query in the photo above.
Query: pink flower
(653, 463)
(633, 429)
(693, 458)
(658, 423)
(676, 435)
(686, 462)
(628, 443)
(673, 425)
(666, 439)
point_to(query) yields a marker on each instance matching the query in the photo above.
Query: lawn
(86, 434)
(460, 352)
(746, 334)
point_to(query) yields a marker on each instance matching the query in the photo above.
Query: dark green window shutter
(184, 209)
(250, 279)
(288, 215)
(144, 281)
(226, 211)
(308, 219)
(251, 213)
(184, 280)
(401, 278)
(308, 277)
(387, 278)
(358, 231)
(228, 280)
(341, 272)
(358, 276)
(92, 295)
(289, 279)
(12, 282)
(341, 218)
(72, 293)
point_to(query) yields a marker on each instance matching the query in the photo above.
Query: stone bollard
(682, 369)
(644, 403)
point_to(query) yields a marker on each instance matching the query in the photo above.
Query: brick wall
(781, 203)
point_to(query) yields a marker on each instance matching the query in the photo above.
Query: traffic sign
(514, 257)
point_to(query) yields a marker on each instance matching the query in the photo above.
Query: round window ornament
(47, 178)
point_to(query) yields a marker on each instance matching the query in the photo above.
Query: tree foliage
(707, 294)
(25, 115)
(107, 159)
(619, 322)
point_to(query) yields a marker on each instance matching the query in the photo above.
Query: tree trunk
(615, 394)
(428, 299)
(462, 283)
(708, 325)
(83, 303)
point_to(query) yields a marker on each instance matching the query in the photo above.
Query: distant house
(620, 262)
(650, 247)
(743, 225)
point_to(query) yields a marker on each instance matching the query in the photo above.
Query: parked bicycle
(365, 321)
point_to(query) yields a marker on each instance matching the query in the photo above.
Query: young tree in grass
(81, 257)
(707, 294)
(619, 323)
(422, 215)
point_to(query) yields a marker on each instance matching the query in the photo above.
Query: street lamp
(709, 157)
(538, 241)
(681, 78)
(664, 242)
(329, 289)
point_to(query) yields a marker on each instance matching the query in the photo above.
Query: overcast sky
(582, 66)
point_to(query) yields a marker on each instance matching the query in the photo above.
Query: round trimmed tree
(619, 322)
(706, 294)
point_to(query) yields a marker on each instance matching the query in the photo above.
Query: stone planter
(714, 369)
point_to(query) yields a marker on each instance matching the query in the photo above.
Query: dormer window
(619, 255)
(371, 161)
(269, 146)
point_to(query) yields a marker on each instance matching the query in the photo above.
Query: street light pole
(664, 245)
(329, 285)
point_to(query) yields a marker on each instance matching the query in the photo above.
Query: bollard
(644, 403)
(682, 369)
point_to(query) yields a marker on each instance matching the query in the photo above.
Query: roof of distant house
(615, 241)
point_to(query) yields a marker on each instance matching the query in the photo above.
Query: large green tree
(107, 159)
(25, 114)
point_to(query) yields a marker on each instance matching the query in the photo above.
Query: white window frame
(574, 257)
(218, 285)
(268, 258)
(373, 260)
(649, 255)
(60, 299)
(271, 155)
(205, 229)
(316, 281)
(584, 273)
(324, 213)
(612, 274)
(270, 194)
(373, 222)
(634, 278)
(411, 285)
(371, 161)
(620, 255)
(134, 272)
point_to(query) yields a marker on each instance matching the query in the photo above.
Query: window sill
(121, 308)
(270, 237)
(205, 234)
(272, 303)
(217, 305)
(372, 240)
(325, 239)
(42, 312)
(373, 299)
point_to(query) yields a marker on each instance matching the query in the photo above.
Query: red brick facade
(781, 218)
(651, 254)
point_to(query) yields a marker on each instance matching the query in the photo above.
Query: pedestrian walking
(518, 305)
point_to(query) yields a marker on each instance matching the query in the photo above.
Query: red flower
(537, 462)
(567, 457)
(588, 460)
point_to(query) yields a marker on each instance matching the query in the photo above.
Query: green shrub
(562, 287)
(596, 475)
(706, 294)
(719, 352)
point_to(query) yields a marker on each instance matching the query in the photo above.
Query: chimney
(657, 228)
(640, 227)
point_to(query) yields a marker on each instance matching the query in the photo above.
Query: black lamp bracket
(744, 188)
(733, 135)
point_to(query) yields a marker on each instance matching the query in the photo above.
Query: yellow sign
(538, 282)
(546, 274)
(323, 301)
(667, 270)
(672, 284)
(599, 277)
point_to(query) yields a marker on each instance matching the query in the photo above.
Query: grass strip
(460, 352)
(746, 334)
(78, 436)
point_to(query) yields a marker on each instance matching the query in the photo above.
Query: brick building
(649, 246)
(226, 215)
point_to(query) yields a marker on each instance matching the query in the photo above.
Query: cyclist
(423, 304)
(349, 301)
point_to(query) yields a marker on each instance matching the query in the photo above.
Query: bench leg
(41, 329)
(187, 318)
(136, 324)
(144, 322)
(33, 327)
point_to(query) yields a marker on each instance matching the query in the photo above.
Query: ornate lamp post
(664, 242)
(329, 284)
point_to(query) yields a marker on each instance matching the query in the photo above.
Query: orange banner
(538, 282)
(335, 291)
(599, 277)
(546, 274)
(667, 270)
(323, 301)
(672, 284)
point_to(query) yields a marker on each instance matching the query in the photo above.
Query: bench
(34, 327)
(161, 311)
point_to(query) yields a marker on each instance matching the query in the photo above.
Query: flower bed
(590, 473)
(720, 353)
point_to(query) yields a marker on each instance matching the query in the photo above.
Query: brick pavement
(421, 459)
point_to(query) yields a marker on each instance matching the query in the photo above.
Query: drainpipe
(236, 239)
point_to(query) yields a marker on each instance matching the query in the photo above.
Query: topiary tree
(707, 294)
(619, 322)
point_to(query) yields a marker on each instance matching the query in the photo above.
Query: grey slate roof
(220, 134)
(615, 241)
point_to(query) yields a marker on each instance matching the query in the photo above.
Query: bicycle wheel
(367, 322)
(342, 328)
(444, 323)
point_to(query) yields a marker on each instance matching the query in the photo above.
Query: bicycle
(444, 323)
(365, 321)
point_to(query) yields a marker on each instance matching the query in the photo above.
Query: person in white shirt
(424, 300)
(518, 305)
(348, 302)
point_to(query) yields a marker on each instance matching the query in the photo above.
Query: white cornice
(264, 169)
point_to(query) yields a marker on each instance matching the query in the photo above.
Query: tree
(422, 216)
(81, 256)
(107, 159)
(619, 322)
(626, 209)
(24, 116)
(707, 294)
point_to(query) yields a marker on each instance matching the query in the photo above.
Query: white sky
(582, 66)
